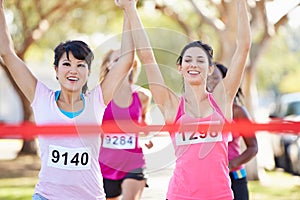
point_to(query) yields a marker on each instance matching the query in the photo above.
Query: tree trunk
(29, 148)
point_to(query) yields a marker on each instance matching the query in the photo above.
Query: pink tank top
(121, 153)
(201, 170)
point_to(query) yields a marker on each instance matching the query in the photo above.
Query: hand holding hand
(124, 3)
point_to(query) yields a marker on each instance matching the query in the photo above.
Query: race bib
(69, 158)
(119, 141)
(185, 138)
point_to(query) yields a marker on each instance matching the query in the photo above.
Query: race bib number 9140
(119, 141)
(185, 138)
(69, 158)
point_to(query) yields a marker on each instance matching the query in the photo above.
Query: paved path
(160, 164)
(158, 184)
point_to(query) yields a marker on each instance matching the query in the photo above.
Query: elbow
(254, 146)
(246, 41)
(146, 56)
(244, 45)
(127, 61)
(247, 45)
(254, 150)
(6, 51)
(244, 48)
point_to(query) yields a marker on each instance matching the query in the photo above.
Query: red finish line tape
(244, 128)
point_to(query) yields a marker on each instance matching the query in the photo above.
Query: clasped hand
(125, 3)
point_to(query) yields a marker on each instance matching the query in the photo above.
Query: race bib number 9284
(119, 141)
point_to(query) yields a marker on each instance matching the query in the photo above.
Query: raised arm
(121, 68)
(236, 68)
(16, 67)
(162, 95)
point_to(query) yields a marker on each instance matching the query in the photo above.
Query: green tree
(41, 22)
(215, 22)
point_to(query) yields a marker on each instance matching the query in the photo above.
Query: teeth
(72, 78)
(193, 72)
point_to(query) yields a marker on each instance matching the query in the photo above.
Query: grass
(17, 188)
(276, 186)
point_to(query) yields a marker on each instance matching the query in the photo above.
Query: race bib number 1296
(186, 138)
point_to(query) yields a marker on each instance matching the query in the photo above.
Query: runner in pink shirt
(201, 170)
(121, 157)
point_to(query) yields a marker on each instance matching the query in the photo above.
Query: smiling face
(195, 66)
(79, 50)
(72, 73)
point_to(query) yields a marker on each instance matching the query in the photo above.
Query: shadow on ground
(21, 166)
